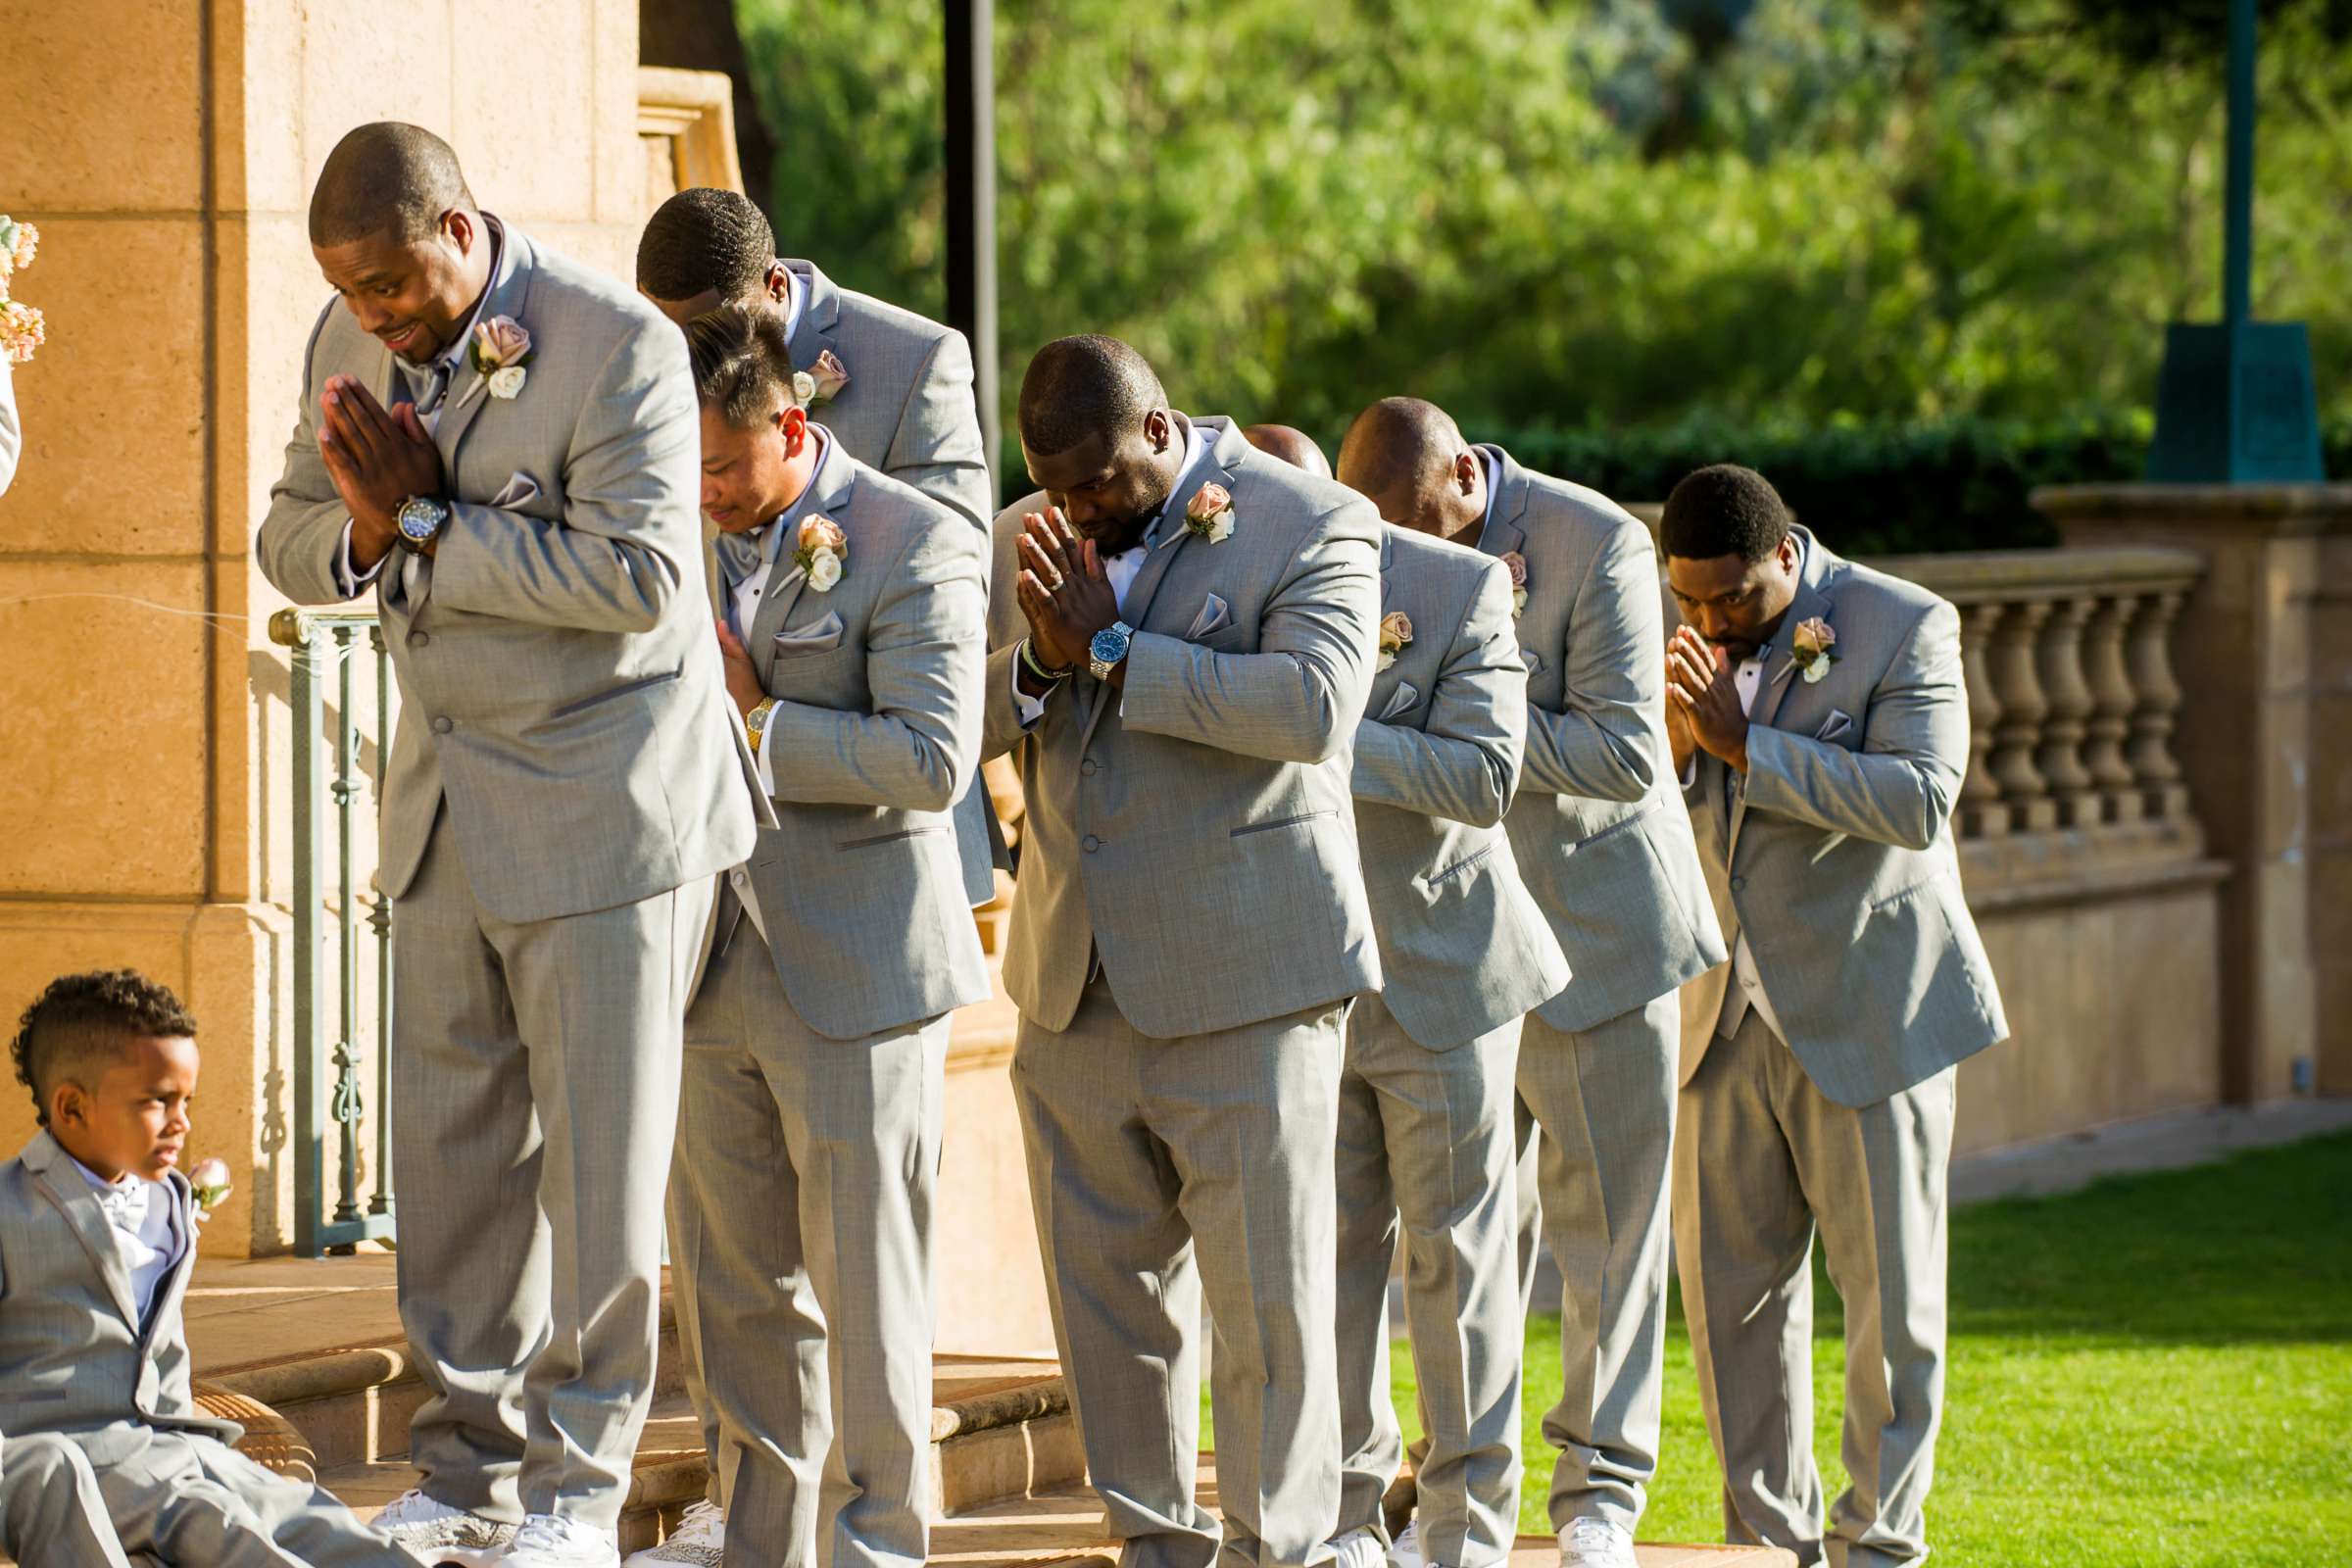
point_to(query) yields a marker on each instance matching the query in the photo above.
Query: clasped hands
(1703, 702)
(1064, 593)
(377, 459)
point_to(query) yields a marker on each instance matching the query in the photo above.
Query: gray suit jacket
(1604, 850)
(1835, 851)
(1198, 827)
(907, 411)
(558, 683)
(876, 732)
(1463, 949)
(73, 1357)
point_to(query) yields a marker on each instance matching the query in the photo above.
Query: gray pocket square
(518, 488)
(1837, 724)
(1532, 660)
(1402, 701)
(814, 638)
(1213, 616)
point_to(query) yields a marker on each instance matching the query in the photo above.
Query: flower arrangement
(22, 330)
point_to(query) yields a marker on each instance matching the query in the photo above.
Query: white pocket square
(813, 638)
(518, 488)
(1837, 724)
(1400, 701)
(1213, 616)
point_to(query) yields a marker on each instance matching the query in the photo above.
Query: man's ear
(1465, 472)
(460, 230)
(779, 282)
(1788, 553)
(1158, 429)
(69, 1106)
(794, 423)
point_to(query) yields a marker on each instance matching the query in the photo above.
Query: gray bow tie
(427, 387)
(740, 555)
(126, 1205)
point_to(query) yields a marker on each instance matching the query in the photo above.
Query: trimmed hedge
(1866, 487)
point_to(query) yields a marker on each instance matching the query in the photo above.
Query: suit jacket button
(1090, 844)
(442, 726)
(1086, 765)
(1737, 883)
(418, 639)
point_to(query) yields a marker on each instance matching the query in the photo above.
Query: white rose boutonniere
(822, 551)
(210, 1180)
(1395, 636)
(500, 350)
(1516, 565)
(1810, 647)
(821, 382)
(1209, 513)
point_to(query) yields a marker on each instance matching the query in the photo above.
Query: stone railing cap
(2067, 570)
(2298, 508)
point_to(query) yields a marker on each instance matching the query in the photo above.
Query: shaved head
(1408, 457)
(1084, 389)
(1286, 444)
(386, 179)
(1099, 437)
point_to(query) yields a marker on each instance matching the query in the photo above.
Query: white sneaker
(700, 1541)
(549, 1541)
(1357, 1549)
(1597, 1544)
(435, 1533)
(1405, 1553)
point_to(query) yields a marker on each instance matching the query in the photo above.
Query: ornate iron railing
(329, 1102)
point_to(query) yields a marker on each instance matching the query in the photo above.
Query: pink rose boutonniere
(822, 551)
(823, 381)
(1516, 564)
(1209, 513)
(210, 1180)
(1395, 636)
(500, 350)
(1810, 648)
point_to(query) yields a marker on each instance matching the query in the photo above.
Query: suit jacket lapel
(820, 316)
(1170, 535)
(1780, 655)
(510, 293)
(1504, 532)
(174, 1284)
(829, 493)
(69, 1191)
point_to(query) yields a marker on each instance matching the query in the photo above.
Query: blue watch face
(419, 521)
(1109, 645)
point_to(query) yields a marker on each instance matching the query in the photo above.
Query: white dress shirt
(352, 581)
(747, 597)
(139, 1213)
(1123, 571)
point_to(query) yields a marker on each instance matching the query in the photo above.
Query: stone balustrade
(2072, 699)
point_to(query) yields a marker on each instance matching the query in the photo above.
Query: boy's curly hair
(82, 1019)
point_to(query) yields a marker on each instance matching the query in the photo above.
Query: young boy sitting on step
(104, 1457)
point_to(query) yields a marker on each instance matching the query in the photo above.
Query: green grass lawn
(2154, 1371)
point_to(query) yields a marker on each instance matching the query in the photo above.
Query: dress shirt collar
(1196, 448)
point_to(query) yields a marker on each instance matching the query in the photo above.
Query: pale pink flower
(822, 551)
(500, 342)
(21, 330)
(1516, 565)
(826, 377)
(28, 240)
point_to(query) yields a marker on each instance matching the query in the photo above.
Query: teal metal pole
(2238, 232)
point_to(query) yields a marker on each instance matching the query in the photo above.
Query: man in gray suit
(1610, 862)
(503, 444)
(809, 1126)
(893, 387)
(1424, 1099)
(1181, 636)
(1821, 729)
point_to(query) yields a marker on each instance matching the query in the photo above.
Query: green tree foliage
(1588, 213)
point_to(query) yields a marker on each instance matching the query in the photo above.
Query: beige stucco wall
(167, 149)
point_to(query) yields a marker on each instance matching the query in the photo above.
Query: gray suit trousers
(801, 1207)
(1425, 1142)
(184, 1501)
(1160, 1170)
(1602, 1099)
(52, 1514)
(535, 1080)
(1763, 1160)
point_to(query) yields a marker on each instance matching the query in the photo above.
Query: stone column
(2263, 654)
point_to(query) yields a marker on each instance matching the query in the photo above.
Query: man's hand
(1063, 590)
(743, 680)
(377, 459)
(1700, 682)
(1678, 738)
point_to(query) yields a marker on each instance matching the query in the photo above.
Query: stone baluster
(2157, 709)
(2059, 664)
(1982, 812)
(2017, 737)
(2111, 698)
